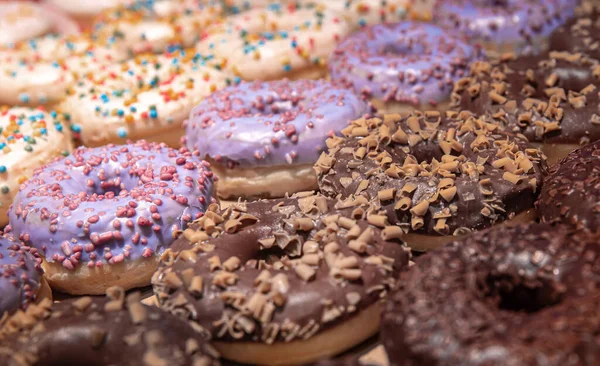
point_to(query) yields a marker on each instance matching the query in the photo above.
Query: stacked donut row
(291, 280)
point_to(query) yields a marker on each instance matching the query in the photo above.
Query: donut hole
(494, 3)
(513, 294)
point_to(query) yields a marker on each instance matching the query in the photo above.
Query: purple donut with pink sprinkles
(268, 132)
(111, 204)
(402, 66)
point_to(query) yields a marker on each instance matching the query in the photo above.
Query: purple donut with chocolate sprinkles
(102, 217)
(519, 26)
(262, 138)
(21, 280)
(403, 65)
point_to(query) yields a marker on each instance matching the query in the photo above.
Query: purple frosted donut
(100, 213)
(520, 26)
(20, 276)
(405, 63)
(264, 137)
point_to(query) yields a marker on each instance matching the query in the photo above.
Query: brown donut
(581, 33)
(571, 192)
(524, 295)
(437, 176)
(115, 330)
(283, 281)
(552, 101)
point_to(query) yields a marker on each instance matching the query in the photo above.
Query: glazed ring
(39, 71)
(552, 101)
(155, 26)
(571, 193)
(283, 281)
(29, 138)
(276, 42)
(402, 66)
(437, 176)
(102, 217)
(360, 13)
(262, 138)
(581, 33)
(524, 295)
(21, 281)
(23, 20)
(148, 97)
(520, 26)
(116, 330)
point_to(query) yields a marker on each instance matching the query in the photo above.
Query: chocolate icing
(102, 331)
(279, 270)
(549, 100)
(581, 33)
(20, 275)
(571, 191)
(433, 174)
(524, 295)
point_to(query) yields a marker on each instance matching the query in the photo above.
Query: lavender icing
(20, 275)
(270, 123)
(110, 204)
(516, 22)
(408, 62)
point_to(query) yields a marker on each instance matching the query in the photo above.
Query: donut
(401, 66)
(551, 100)
(360, 13)
(29, 138)
(155, 26)
(580, 33)
(276, 42)
(523, 295)
(21, 281)
(520, 26)
(23, 20)
(115, 330)
(102, 217)
(85, 11)
(262, 138)
(148, 97)
(571, 193)
(39, 71)
(436, 176)
(282, 281)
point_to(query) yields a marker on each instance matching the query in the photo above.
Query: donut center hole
(494, 3)
(413, 48)
(510, 294)
(275, 106)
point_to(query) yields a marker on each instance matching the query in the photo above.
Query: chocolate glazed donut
(283, 281)
(115, 330)
(435, 176)
(581, 33)
(552, 101)
(571, 191)
(524, 295)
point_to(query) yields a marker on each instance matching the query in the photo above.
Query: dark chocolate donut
(434, 174)
(581, 33)
(116, 330)
(571, 192)
(549, 100)
(281, 273)
(523, 295)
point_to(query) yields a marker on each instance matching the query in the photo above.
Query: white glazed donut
(39, 71)
(357, 12)
(276, 42)
(22, 20)
(156, 26)
(148, 97)
(29, 138)
(84, 11)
